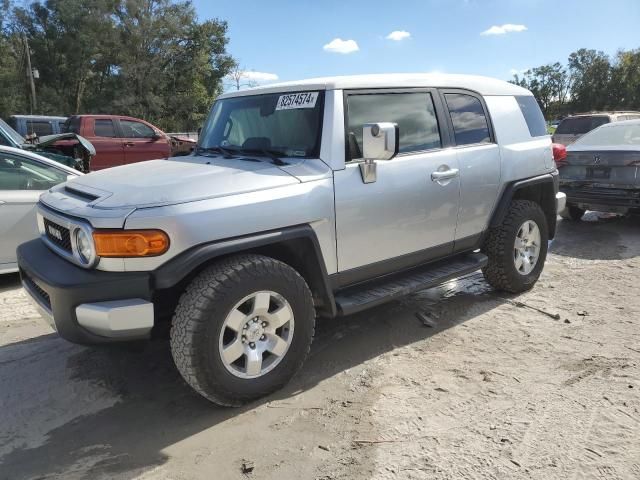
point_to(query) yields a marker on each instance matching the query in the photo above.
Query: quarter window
(413, 112)
(470, 124)
(532, 115)
(132, 129)
(103, 127)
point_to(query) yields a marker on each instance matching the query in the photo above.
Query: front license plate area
(598, 173)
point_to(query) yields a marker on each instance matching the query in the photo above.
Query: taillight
(559, 154)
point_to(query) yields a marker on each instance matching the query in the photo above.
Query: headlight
(84, 246)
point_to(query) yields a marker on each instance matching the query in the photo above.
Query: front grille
(58, 235)
(43, 296)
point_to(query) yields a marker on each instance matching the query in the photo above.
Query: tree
(238, 78)
(590, 72)
(548, 83)
(625, 80)
(146, 58)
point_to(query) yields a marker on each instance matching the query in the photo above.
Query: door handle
(444, 175)
(129, 144)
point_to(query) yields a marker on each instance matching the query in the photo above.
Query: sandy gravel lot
(491, 388)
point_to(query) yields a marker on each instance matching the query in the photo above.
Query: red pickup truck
(120, 140)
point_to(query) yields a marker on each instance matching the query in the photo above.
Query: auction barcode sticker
(297, 100)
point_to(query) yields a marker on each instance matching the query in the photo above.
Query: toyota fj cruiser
(307, 199)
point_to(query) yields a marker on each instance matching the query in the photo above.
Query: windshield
(288, 124)
(613, 134)
(13, 135)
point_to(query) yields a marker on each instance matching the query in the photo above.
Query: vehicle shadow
(144, 406)
(9, 281)
(598, 236)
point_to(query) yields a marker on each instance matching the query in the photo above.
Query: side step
(390, 287)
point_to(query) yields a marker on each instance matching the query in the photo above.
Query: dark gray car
(601, 171)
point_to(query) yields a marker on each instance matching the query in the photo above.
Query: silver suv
(318, 198)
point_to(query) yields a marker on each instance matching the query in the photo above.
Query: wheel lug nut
(264, 324)
(263, 337)
(252, 345)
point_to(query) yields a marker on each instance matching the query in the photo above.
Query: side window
(40, 128)
(17, 173)
(532, 115)
(133, 129)
(469, 122)
(103, 127)
(413, 112)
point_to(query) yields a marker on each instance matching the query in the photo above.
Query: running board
(390, 287)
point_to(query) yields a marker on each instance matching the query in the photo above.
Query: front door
(22, 181)
(142, 143)
(410, 211)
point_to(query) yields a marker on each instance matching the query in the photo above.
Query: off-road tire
(501, 271)
(200, 314)
(572, 213)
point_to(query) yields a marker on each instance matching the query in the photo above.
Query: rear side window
(413, 112)
(532, 115)
(470, 124)
(40, 128)
(580, 125)
(104, 128)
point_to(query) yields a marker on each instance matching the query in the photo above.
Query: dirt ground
(488, 389)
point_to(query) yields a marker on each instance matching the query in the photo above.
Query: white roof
(481, 85)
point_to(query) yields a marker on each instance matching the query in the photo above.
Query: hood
(178, 180)
(48, 140)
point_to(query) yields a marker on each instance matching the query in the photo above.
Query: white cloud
(337, 45)
(502, 29)
(515, 71)
(259, 76)
(398, 35)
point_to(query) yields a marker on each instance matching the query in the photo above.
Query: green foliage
(146, 58)
(590, 81)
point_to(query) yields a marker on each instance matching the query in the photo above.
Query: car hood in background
(178, 180)
(49, 140)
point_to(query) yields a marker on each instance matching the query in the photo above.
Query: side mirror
(380, 141)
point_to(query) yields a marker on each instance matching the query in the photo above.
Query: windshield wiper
(226, 152)
(274, 155)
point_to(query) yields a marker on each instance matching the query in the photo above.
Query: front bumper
(86, 306)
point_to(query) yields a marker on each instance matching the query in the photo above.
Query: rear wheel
(517, 249)
(572, 213)
(242, 329)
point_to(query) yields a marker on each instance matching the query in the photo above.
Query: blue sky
(286, 38)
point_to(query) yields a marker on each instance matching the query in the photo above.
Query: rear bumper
(587, 196)
(86, 306)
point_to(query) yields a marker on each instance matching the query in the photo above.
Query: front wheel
(517, 249)
(242, 329)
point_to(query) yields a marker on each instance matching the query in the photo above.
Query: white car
(24, 176)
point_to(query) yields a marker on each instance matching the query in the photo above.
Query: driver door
(407, 216)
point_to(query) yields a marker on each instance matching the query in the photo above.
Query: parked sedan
(23, 177)
(601, 171)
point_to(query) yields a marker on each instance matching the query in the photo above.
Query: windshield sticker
(297, 100)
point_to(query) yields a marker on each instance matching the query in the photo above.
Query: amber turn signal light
(130, 243)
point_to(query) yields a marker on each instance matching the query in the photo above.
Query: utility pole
(32, 85)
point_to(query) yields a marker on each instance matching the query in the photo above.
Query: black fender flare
(300, 241)
(549, 182)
